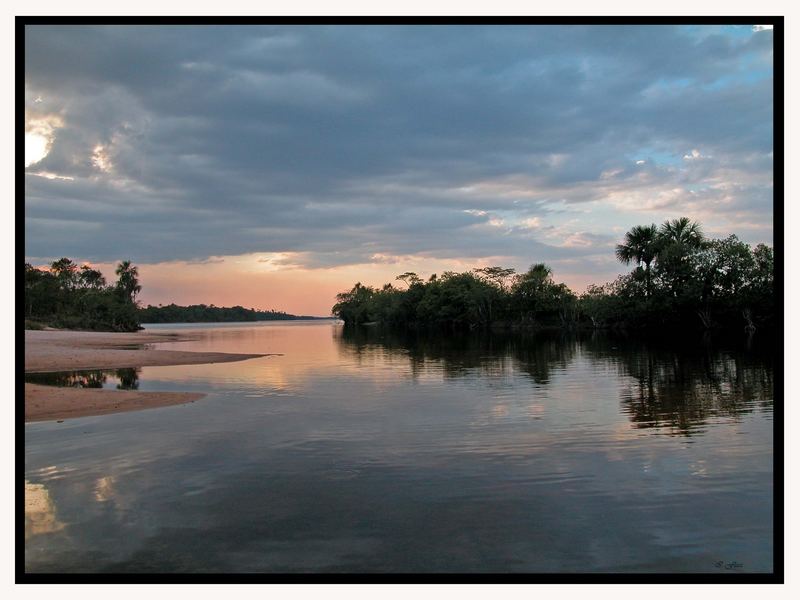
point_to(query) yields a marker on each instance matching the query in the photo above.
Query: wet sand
(77, 350)
(50, 403)
(73, 350)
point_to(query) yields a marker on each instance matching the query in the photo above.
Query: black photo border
(777, 576)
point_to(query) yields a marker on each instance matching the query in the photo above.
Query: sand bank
(73, 350)
(49, 403)
(77, 350)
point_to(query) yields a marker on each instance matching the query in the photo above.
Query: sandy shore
(72, 350)
(48, 403)
(76, 350)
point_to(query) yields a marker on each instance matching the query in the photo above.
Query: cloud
(694, 155)
(336, 145)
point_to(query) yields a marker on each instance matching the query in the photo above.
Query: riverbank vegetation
(66, 296)
(679, 278)
(202, 313)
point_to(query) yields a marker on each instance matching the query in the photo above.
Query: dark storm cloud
(345, 142)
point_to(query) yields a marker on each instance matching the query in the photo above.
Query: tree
(597, 303)
(409, 278)
(67, 297)
(679, 276)
(761, 291)
(538, 273)
(41, 292)
(353, 306)
(530, 289)
(683, 231)
(66, 273)
(496, 275)
(128, 281)
(722, 271)
(763, 274)
(457, 299)
(679, 240)
(726, 267)
(641, 247)
(91, 278)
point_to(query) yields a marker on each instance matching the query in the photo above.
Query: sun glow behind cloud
(39, 133)
(35, 148)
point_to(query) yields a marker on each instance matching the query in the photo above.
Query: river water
(367, 451)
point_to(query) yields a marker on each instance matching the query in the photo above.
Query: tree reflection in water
(681, 386)
(127, 379)
(678, 386)
(459, 354)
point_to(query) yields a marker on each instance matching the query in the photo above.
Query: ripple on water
(531, 453)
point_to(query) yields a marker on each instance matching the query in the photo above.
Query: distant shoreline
(145, 325)
(64, 350)
(294, 318)
(209, 313)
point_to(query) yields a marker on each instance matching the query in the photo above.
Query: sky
(275, 166)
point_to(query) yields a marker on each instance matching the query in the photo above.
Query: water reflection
(682, 389)
(121, 379)
(40, 512)
(374, 451)
(461, 354)
(667, 385)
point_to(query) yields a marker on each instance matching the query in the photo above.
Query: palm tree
(641, 247)
(538, 273)
(529, 289)
(128, 282)
(683, 231)
(679, 239)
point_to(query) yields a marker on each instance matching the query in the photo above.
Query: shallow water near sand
(369, 451)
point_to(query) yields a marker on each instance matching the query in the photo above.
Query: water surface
(372, 452)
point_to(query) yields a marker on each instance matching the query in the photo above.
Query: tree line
(680, 278)
(202, 313)
(66, 296)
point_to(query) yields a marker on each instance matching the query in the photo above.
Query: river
(367, 451)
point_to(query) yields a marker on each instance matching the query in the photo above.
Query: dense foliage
(78, 298)
(201, 313)
(65, 296)
(680, 279)
(482, 297)
(689, 281)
